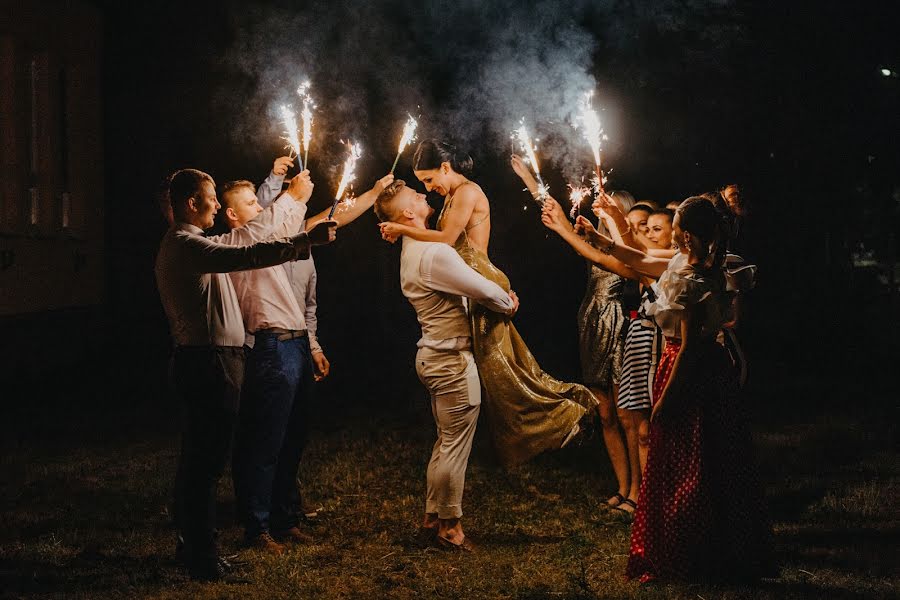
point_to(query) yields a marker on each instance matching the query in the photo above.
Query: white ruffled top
(681, 287)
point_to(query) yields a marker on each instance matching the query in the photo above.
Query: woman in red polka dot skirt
(700, 514)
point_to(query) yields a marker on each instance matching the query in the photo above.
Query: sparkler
(521, 135)
(306, 117)
(409, 135)
(348, 175)
(577, 196)
(290, 135)
(592, 130)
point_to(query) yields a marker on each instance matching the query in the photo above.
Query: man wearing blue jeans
(272, 425)
(205, 321)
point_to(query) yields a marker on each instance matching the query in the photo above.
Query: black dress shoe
(216, 570)
(210, 569)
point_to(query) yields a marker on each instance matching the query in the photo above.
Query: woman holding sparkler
(602, 324)
(528, 411)
(700, 515)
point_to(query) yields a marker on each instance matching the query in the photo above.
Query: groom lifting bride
(434, 279)
(528, 410)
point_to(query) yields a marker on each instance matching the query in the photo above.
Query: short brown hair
(383, 204)
(183, 185)
(230, 186)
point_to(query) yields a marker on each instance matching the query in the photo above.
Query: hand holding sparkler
(301, 187)
(323, 232)
(409, 135)
(553, 217)
(586, 229)
(607, 208)
(281, 166)
(521, 169)
(521, 134)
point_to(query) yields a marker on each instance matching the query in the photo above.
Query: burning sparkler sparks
(592, 130)
(290, 134)
(521, 135)
(348, 175)
(306, 117)
(409, 135)
(577, 196)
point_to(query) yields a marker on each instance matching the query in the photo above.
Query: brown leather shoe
(293, 536)
(265, 543)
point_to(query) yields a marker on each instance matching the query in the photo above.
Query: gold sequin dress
(528, 411)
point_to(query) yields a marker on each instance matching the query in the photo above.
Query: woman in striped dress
(643, 345)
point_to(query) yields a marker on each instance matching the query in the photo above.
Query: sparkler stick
(306, 117)
(592, 130)
(290, 135)
(348, 175)
(409, 135)
(521, 134)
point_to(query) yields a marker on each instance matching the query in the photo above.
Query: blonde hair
(384, 208)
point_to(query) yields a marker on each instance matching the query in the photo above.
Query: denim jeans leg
(271, 384)
(286, 499)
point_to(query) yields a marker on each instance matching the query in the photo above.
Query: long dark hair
(700, 218)
(431, 154)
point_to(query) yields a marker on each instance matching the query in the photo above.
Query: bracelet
(608, 249)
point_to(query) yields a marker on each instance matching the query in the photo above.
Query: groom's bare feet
(450, 535)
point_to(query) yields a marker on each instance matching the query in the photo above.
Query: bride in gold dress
(528, 411)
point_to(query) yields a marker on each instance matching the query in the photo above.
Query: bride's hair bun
(432, 153)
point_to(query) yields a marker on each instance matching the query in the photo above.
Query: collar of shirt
(181, 226)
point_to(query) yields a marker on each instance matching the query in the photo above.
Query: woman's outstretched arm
(650, 266)
(555, 220)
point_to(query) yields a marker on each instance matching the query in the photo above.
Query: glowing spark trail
(348, 175)
(577, 196)
(290, 135)
(306, 117)
(409, 135)
(592, 130)
(521, 135)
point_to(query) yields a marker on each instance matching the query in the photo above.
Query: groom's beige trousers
(451, 378)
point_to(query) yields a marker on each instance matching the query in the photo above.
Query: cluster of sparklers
(592, 129)
(299, 137)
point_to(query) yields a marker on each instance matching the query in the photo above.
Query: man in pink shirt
(272, 425)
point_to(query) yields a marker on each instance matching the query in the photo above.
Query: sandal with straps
(619, 500)
(627, 502)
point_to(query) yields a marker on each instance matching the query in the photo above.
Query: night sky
(789, 102)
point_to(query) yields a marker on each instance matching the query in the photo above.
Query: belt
(284, 334)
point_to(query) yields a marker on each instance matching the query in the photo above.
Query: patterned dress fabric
(700, 514)
(601, 329)
(527, 410)
(643, 344)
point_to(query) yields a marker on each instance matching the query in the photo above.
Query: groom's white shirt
(434, 278)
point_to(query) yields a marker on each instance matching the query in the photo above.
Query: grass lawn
(85, 516)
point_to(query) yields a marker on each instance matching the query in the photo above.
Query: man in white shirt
(435, 279)
(208, 332)
(273, 421)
